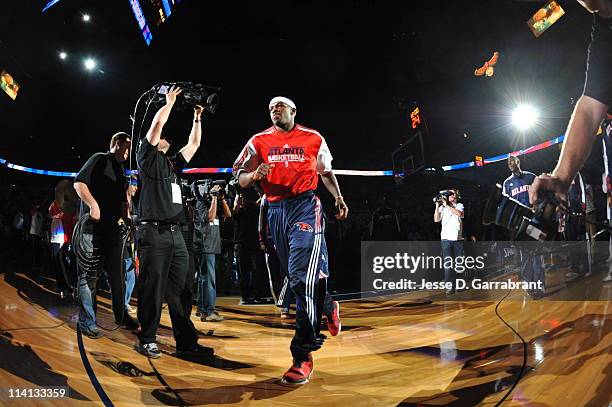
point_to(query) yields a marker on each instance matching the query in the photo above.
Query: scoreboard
(154, 11)
(162, 9)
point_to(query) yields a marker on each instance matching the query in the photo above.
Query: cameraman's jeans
(130, 279)
(107, 245)
(532, 267)
(451, 248)
(575, 231)
(207, 285)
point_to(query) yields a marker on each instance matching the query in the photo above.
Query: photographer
(450, 213)
(210, 246)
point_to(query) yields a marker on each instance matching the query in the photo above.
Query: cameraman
(590, 109)
(210, 231)
(450, 213)
(164, 260)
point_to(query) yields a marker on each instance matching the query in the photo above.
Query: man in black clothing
(246, 217)
(575, 230)
(164, 260)
(385, 224)
(589, 110)
(102, 186)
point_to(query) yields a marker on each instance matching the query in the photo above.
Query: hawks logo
(304, 227)
(286, 154)
(519, 190)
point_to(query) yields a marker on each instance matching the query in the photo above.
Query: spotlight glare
(86, 18)
(90, 64)
(524, 116)
(63, 55)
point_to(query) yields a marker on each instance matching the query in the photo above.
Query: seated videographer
(450, 213)
(209, 229)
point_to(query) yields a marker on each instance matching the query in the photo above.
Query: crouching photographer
(211, 199)
(450, 213)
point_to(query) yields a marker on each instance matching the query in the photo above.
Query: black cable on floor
(92, 376)
(520, 375)
(163, 382)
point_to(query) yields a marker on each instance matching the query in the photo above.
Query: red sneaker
(334, 326)
(300, 372)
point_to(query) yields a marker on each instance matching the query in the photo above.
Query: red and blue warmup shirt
(517, 187)
(606, 126)
(298, 157)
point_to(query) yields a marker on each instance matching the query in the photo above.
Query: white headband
(282, 99)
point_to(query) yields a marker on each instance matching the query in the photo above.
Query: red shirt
(68, 221)
(298, 157)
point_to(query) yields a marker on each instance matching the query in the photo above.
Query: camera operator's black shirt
(105, 178)
(157, 174)
(598, 82)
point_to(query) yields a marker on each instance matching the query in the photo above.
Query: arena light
(90, 64)
(524, 116)
(86, 17)
(63, 55)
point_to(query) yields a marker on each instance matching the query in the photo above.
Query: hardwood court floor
(398, 350)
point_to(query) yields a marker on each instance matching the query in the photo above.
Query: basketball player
(516, 187)
(286, 159)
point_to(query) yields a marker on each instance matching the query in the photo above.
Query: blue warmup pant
(297, 229)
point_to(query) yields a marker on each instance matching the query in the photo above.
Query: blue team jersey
(517, 188)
